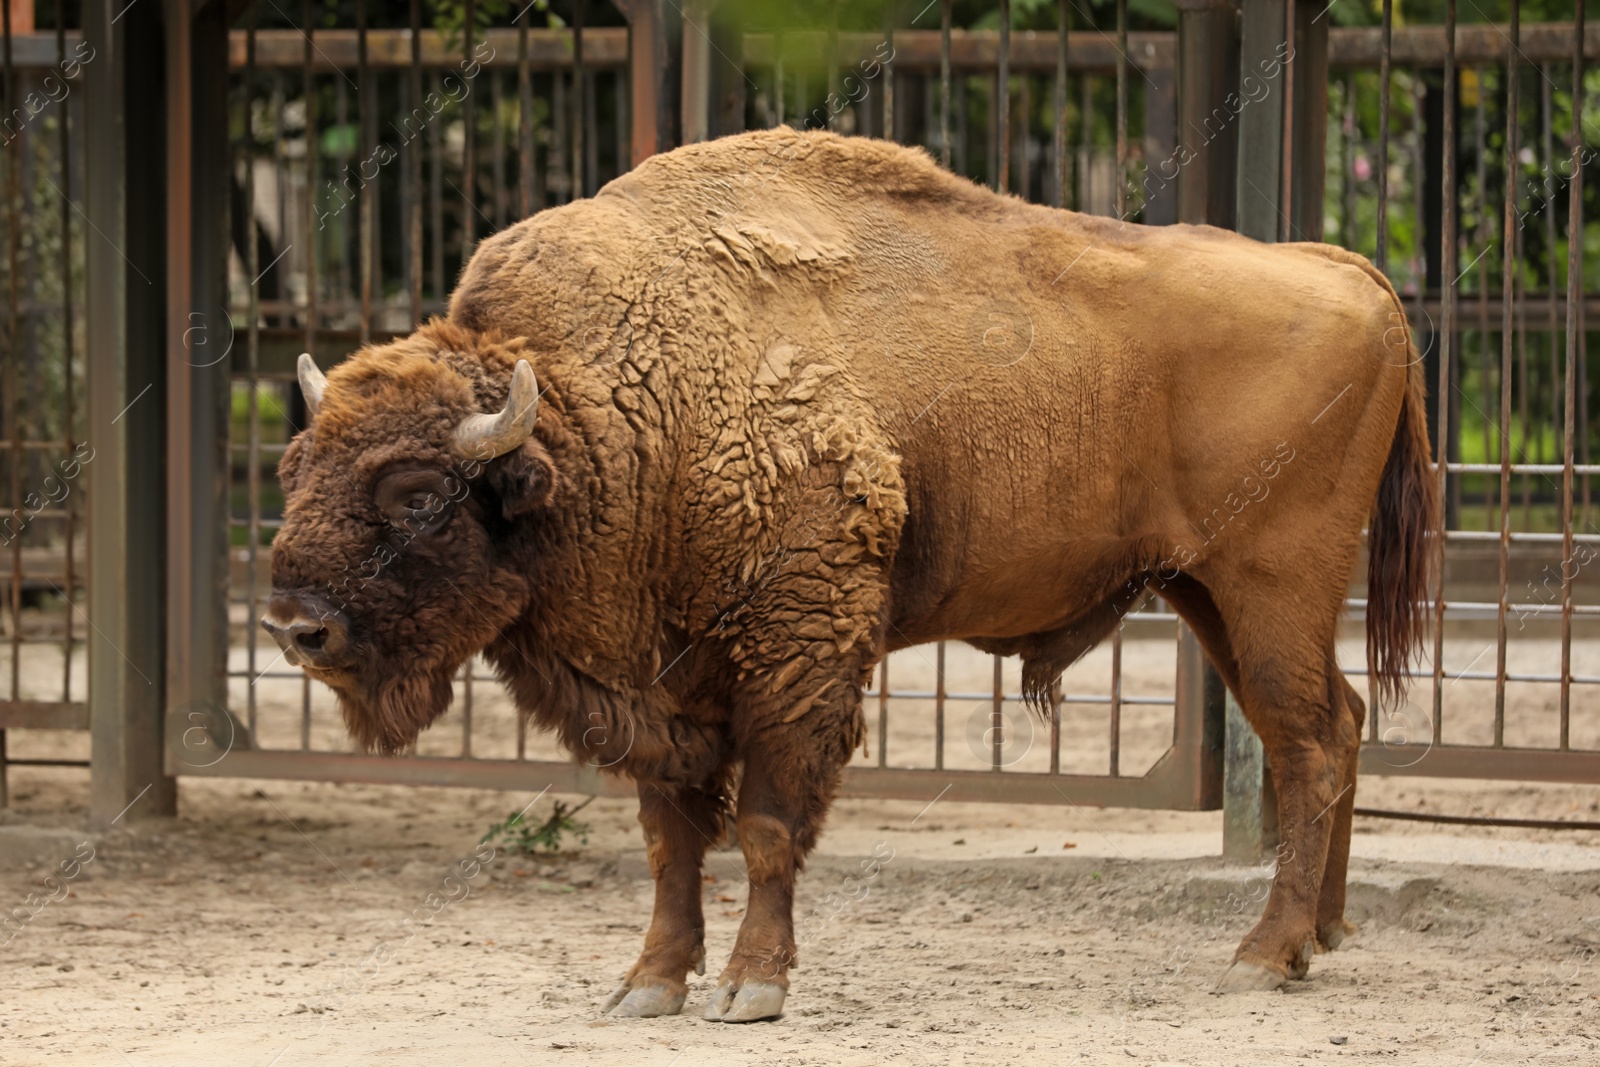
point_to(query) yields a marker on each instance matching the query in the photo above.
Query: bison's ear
(523, 479)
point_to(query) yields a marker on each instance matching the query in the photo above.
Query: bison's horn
(312, 382)
(483, 437)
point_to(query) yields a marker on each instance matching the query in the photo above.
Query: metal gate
(339, 176)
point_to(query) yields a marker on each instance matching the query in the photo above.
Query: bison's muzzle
(311, 634)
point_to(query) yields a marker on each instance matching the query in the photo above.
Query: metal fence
(366, 159)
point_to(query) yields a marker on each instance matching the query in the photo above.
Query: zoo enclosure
(315, 195)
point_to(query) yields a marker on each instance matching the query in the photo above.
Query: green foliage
(450, 16)
(518, 835)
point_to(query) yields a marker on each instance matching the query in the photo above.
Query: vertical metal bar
(1002, 91)
(695, 91)
(525, 119)
(624, 124)
(364, 112)
(1286, 176)
(646, 45)
(436, 195)
(340, 237)
(1116, 701)
(64, 149)
(497, 142)
(778, 77)
(253, 380)
(469, 143)
(961, 145)
(13, 406)
(12, 359)
(831, 49)
(1022, 186)
(280, 164)
(1508, 272)
(1122, 112)
(939, 693)
(1522, 387)
(991, 135)
(1347, 185)
(1447, 336)
(1419, 166)
(1583, 409)
(1086, 146)
(1240, 187)
(1552, 272)
(883, 713)
(591, 135)
(310, 221)
(560, 175)
(1485, 235)
(196, 186)
(1384, 79)
(466, 709)
(414, 163)
(1569, 415)
(127, 348)
(1061, 103)
(311, 269)
(889, 14)
(997, 716)
(1212, 41)
(944, 91)
(580, 102)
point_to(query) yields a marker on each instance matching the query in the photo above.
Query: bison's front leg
(678, 826)
(791, 769)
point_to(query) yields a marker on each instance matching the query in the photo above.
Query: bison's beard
(386, 716)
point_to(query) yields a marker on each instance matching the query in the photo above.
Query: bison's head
(408, 539)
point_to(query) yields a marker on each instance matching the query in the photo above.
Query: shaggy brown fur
(808, 399)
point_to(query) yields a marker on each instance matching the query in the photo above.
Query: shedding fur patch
(768, 848)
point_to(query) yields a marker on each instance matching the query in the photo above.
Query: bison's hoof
(1333, 935)
(645, 999)
(749, 1002)
(1246, 976)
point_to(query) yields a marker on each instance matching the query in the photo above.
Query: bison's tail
(1400, 561)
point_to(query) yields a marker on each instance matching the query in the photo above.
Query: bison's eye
(417, 501)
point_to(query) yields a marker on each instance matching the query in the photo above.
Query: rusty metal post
(1249, 805)
(1209, 136)
(1240, 112)
(647, 63)
(1261, 83)
(1307, 135)
(1283, 95)
(200, 337)
(126, 196)
(1208, 83)
(696, 71)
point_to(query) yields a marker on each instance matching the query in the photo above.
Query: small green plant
(517, 834)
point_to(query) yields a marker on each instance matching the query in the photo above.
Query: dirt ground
(278, 923)
(268, 925)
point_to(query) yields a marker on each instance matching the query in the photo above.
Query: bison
(686, 459)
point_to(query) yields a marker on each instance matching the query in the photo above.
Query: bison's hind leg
(1332, 928)
(1273, 643)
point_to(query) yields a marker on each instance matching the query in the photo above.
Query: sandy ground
(287, 923)
(267, 925)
